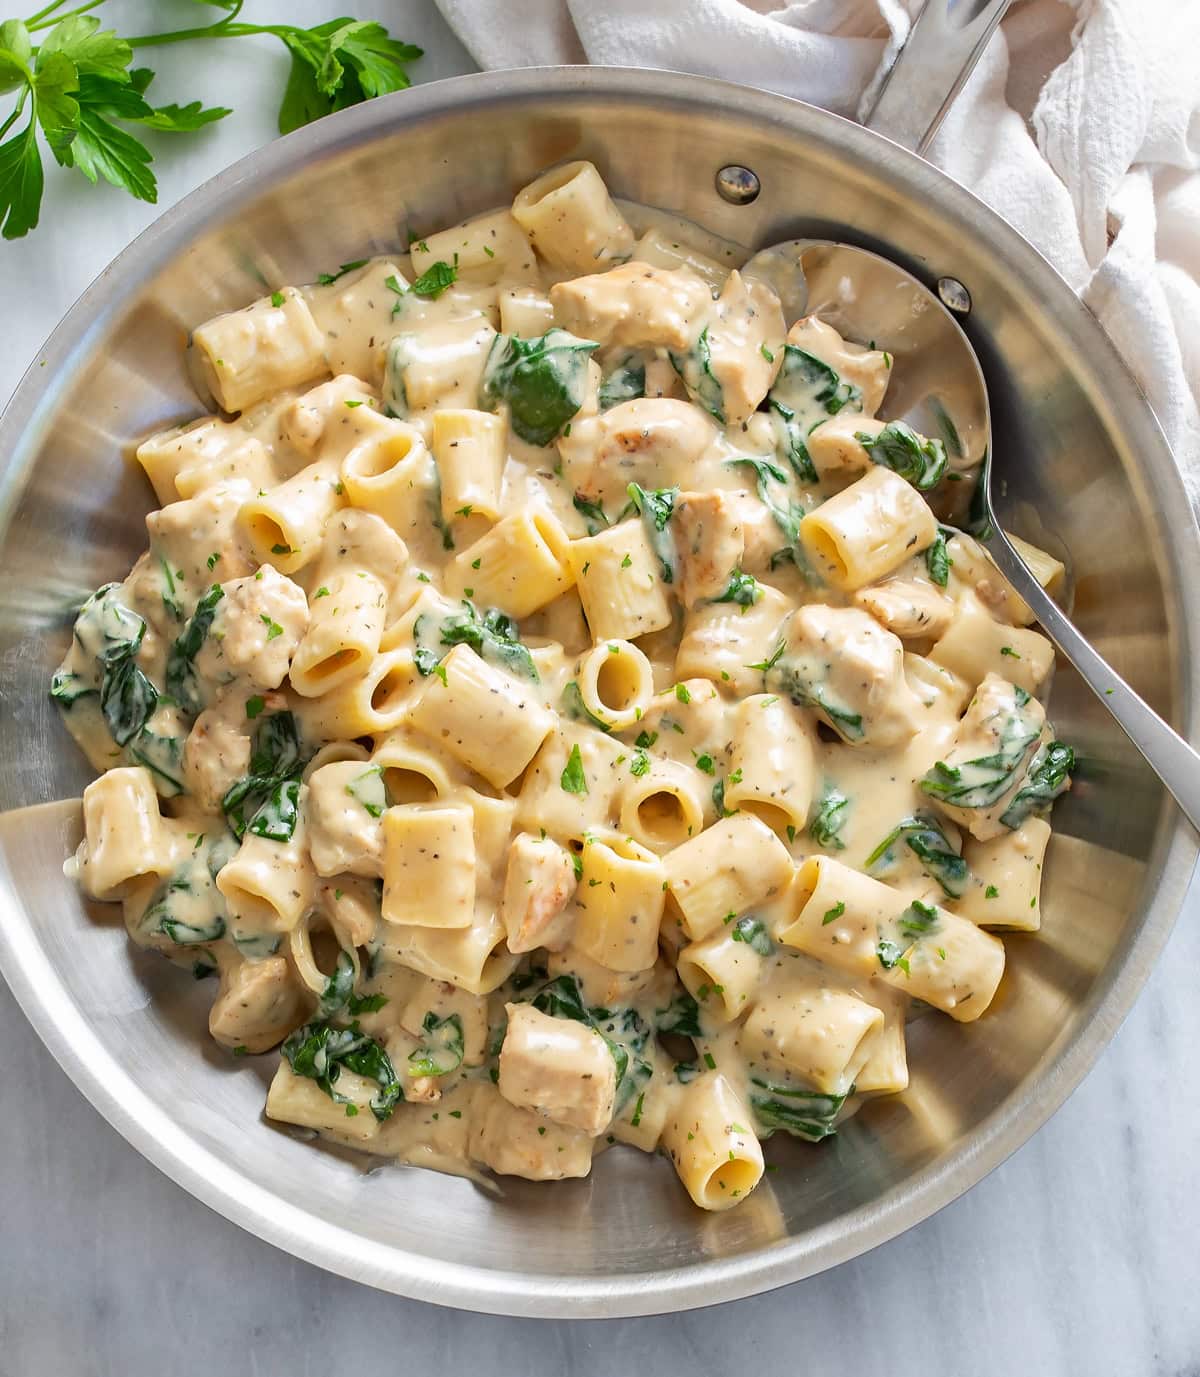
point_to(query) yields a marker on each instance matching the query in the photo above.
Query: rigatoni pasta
(553, 710)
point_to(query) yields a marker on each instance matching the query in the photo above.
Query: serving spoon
(938, 388)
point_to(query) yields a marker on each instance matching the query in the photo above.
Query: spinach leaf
(806, 391)
(807, 693)
(182, 684)
(266, 801)
(562, 998)
(898, 447)
(695, 369)
(543, 380)
(442, 1050)
(67, 688)
(127, 699)
(981, 782)
(163, 757)
(742, 589)
(592, 512)
(937, 557)
(338, 988)
(808, 1114)
(1049, 776)
(787, 517)
(626, 382)
(924, 837)
(571, 703)
(494, 636)
(753, 932)
(369, 790)
(829, 819)
(656, 507)
(319, 1050)
(187, 907)
(681, 1016)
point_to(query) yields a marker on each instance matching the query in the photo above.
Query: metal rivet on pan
(738, 185)
(954, 295)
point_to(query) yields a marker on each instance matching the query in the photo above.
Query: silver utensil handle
(1168, 754)
(947, 39)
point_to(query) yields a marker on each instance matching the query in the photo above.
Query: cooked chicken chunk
(908, 608)
(258, 1004)
(559, 1068)
(633, 305)
(537, 889)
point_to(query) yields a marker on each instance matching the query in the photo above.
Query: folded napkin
(1081, 126)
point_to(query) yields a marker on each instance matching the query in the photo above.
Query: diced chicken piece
(975, 640)
(558, 1068)
(351, 903)
(216, 755)
(184, 535)
(343, 833)
(834, 446)
(652, 441)
(319, 424)
(908, 608)
(517, 1142)
(537, 888)
(258, 1004)
(709, 541)
(745, 335)
(633, 305)
(868, 369)
(761, 536)
(254, 634)
(841, 663)
(661, 379)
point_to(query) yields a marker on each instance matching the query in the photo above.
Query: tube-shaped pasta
(296, 1099)
(412, 771)
(474, 958)
(285, 526)
(429, 866)
(616, 683)
(392, 475)
(617, 575)
(1004, 888)
(885, 1070)
(469, 448)
(125, 839)
(354, 313)
(772, 766)
(437, 368)
(721, 641)
(561, 1069)
(345, 623)
(841, 915)
(664, 250)
(467, 692)
(619, 903)
(722, 972)
(269, 885)
(977, 645)
(708, 1139)
(666, 805)
(487, 246)
(521, 564)
(950, 963)
(247, 355)
(820, 1035)
(571, 220)
(525, 311)
(167, 453)
(868, 530)
(728, 868)
(375, 703)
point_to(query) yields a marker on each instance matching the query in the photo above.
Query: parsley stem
(38, 22)
(16, 114)
(42, 13)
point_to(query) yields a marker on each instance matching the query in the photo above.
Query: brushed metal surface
(1090, 477)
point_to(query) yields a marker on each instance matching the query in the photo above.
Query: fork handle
(945, 42)
(1165, 751)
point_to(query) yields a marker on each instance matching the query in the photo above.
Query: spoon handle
(1166, 752)
(945, 42)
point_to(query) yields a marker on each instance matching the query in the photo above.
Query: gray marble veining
(1079, 1255)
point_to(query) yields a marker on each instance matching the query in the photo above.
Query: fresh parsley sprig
(75, 87)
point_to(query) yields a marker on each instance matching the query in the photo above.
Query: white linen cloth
(1081, 126)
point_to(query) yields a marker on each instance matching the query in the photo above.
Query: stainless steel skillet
(1093, 478)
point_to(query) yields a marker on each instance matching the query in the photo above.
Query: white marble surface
(1080, 1255)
